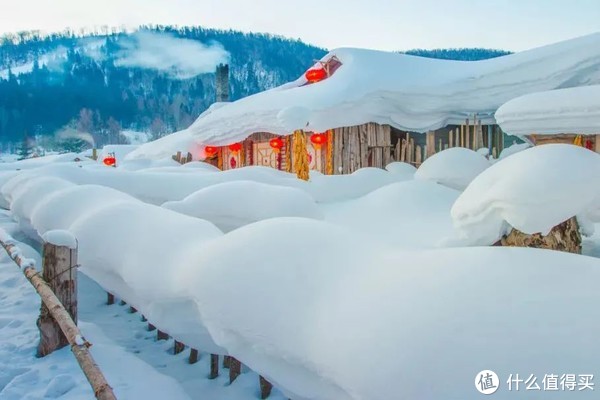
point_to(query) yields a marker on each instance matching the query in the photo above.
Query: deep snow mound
(231, 205)
(454, 168)
(531, 191)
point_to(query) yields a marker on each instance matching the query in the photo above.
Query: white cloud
(180, 58)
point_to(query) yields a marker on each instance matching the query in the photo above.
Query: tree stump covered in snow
(563, 237)
(59, 270)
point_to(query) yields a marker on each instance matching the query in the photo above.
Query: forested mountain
(90, 86)
(473, 54)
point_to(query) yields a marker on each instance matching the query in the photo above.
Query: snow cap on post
(59, 237)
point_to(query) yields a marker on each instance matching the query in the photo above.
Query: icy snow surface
(410, 93)
(572, 110)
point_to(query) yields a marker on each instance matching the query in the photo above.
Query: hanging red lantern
(314, 75)
(235, 147)
(110, 161)
(210, 150)
(318, 140)
(589, 145)
(276, 144)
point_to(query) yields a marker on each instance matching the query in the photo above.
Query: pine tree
(25, 150)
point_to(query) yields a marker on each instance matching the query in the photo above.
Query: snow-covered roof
(572, 110)
(410, 93)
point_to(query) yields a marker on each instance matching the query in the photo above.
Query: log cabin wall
(361, 146)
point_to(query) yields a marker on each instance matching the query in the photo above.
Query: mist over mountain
(89, 87)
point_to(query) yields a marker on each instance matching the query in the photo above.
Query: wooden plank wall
(361, 146)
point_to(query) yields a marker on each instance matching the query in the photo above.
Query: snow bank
(513, 149)
(407, 214)
(401, 168)
(361, 322)
(532, 191)
(335, 188)
(234, 204)
(368, 88)
(455, 167)
(571, 110)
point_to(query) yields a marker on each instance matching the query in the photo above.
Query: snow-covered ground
(360, 286)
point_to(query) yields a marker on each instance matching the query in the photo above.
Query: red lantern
(110, 161)
(318, 139)
(276, 144)
(235, 147)
(314, 75)
(589, 145)
(211, 150)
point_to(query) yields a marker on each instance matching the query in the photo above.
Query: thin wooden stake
(160, 335)
(226, 361)
(235, 369)
(178, 347)
(265, 388)
(194, 356)
(110, 299)
(214, 366)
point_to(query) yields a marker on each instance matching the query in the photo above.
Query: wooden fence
(469, 135)
(57, 288)
(57, 325)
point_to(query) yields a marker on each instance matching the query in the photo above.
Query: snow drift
(454, 168)
(533, 191)
(234, 204)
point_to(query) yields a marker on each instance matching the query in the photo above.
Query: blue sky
(379, 24)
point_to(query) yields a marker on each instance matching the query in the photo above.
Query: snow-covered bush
(455, 167)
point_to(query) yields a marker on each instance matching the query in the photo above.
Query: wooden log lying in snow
(563, 237)
(79, 346)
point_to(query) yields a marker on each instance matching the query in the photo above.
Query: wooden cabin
(345, 150)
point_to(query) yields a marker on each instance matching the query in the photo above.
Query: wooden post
(160, 335)
(235, 369)
(214, 366)
(178, 347)
(110, 298)
(265, 388)
(122, 303)
(178, 157)
(194, 356)
(94, 154)
(226, 361)
(79, 346)
(132, 310)
(151, 327)
(189, 157)
(467, 134)
(60, 271)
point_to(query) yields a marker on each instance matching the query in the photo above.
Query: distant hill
(465, 54)
(157, 80)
